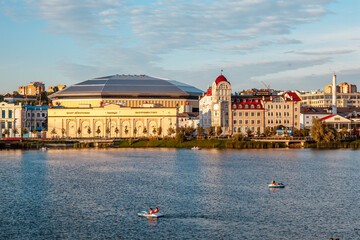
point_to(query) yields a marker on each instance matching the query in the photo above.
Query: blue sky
(288, 44)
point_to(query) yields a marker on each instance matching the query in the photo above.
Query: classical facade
(112, 121)
(129, 91)
(34, 117)
(10, 121)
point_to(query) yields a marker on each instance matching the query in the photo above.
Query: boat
(276, 185)
(195, 148)
(147, 215)
(43, 149)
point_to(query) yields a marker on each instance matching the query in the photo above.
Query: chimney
(334, 100)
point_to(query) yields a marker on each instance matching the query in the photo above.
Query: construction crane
(266, 85)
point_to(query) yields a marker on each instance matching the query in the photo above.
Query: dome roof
(220, 79)
(129, 86)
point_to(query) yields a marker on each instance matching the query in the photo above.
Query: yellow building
(111, 120)
(59, 88)
(33, 88)
(130, 91)
(10, 119)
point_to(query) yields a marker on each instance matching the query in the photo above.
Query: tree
(209, 131)
(170, 131)
(42, 98)
(344, 133)
(285, 133)
(144, 131)
(89, 131)
(189, 130)
(15, 131)
(6, 132)
(258, 131)
(296, 132)
(107, 130)
(238, 137)
(304, 132)
(321, 132)
(98, 131)
(180, 137)
(200, 131)
(267, 131)
(273, 131)
(248, 132)
(154, 131)
(218, 131)
(79, 131)
(159, 130)
(126, 130)
(34, 131)
(53, 132)
(116, 131)
(24, 131)
(63, 132)
(135, 131)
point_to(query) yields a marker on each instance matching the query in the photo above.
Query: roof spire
(221, 72)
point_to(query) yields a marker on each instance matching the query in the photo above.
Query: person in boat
(151, 211)
(273, 182)
(156, 210)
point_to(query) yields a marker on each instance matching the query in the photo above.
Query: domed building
(130, 91)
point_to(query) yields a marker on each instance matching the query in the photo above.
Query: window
(295, 116)
(240, 114)
(3, 113)
(252, 114)
(234, 105)
(252, 129)
(258, 106)
(258, 121)
(246, 121)
(240, 121)
(246, 114)
(268, 113)
(246, 106)
(9, 125)
(234, 114)
(252, 121)
(38, 115)
(252, 106)
(43, 115)
(296, 109)
(235, 121)
(10, 113)
(234, 130)
(32, 115)
(258, 114)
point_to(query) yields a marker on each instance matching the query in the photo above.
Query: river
(206, 194)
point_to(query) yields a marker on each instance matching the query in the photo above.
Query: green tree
(267, 131)
(304, 132)
(6, 132)
(218, 131)
(34, 132)
(321, 132)
(200, 131)
(98, 131)
(116, 131)
(273, 131)
(344, 133)
(209, 131)
(24, 131)
(53, 132)
(170, 131)
(63, 132)
(79, 131)
(15, 131)
(189, 131)
(159, 130)
(144, 131)
(180, 137)
(237, 137)
(154, 131)
(126, 130)
(89, 131)
(258, 131)
(248, 132)
(135, 131)
(296, 132)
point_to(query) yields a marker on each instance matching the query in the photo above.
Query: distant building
(12, 98)
(33, 88)
(189, 119)
(10, 119)
(342, 88)
(34, 117)
(56, 88)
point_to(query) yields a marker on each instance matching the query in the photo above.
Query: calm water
(207, 194)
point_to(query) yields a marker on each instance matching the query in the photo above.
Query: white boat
(147, 215)
(276, 185)
(43, 149)
(196, 148)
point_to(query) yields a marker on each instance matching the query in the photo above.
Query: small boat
(147, 215)
(43, 149)
(195, 148)
(276, 185)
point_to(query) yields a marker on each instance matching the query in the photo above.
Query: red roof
(220, 78)
(324, 118)
(246, 104)
(209, 92)
(294, 96)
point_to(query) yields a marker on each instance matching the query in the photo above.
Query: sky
(287, 44)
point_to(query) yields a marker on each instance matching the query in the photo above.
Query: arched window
(258, 106)
(252, 106)
(234, 106)
(246, 106)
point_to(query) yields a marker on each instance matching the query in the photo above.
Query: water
(207, 194)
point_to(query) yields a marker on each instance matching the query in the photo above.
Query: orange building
(33, 88)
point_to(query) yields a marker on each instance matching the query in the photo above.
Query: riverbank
(171, 143)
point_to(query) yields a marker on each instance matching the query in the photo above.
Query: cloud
(326, 52)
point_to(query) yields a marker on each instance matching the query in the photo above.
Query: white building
(10, 121)
(205, 109)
